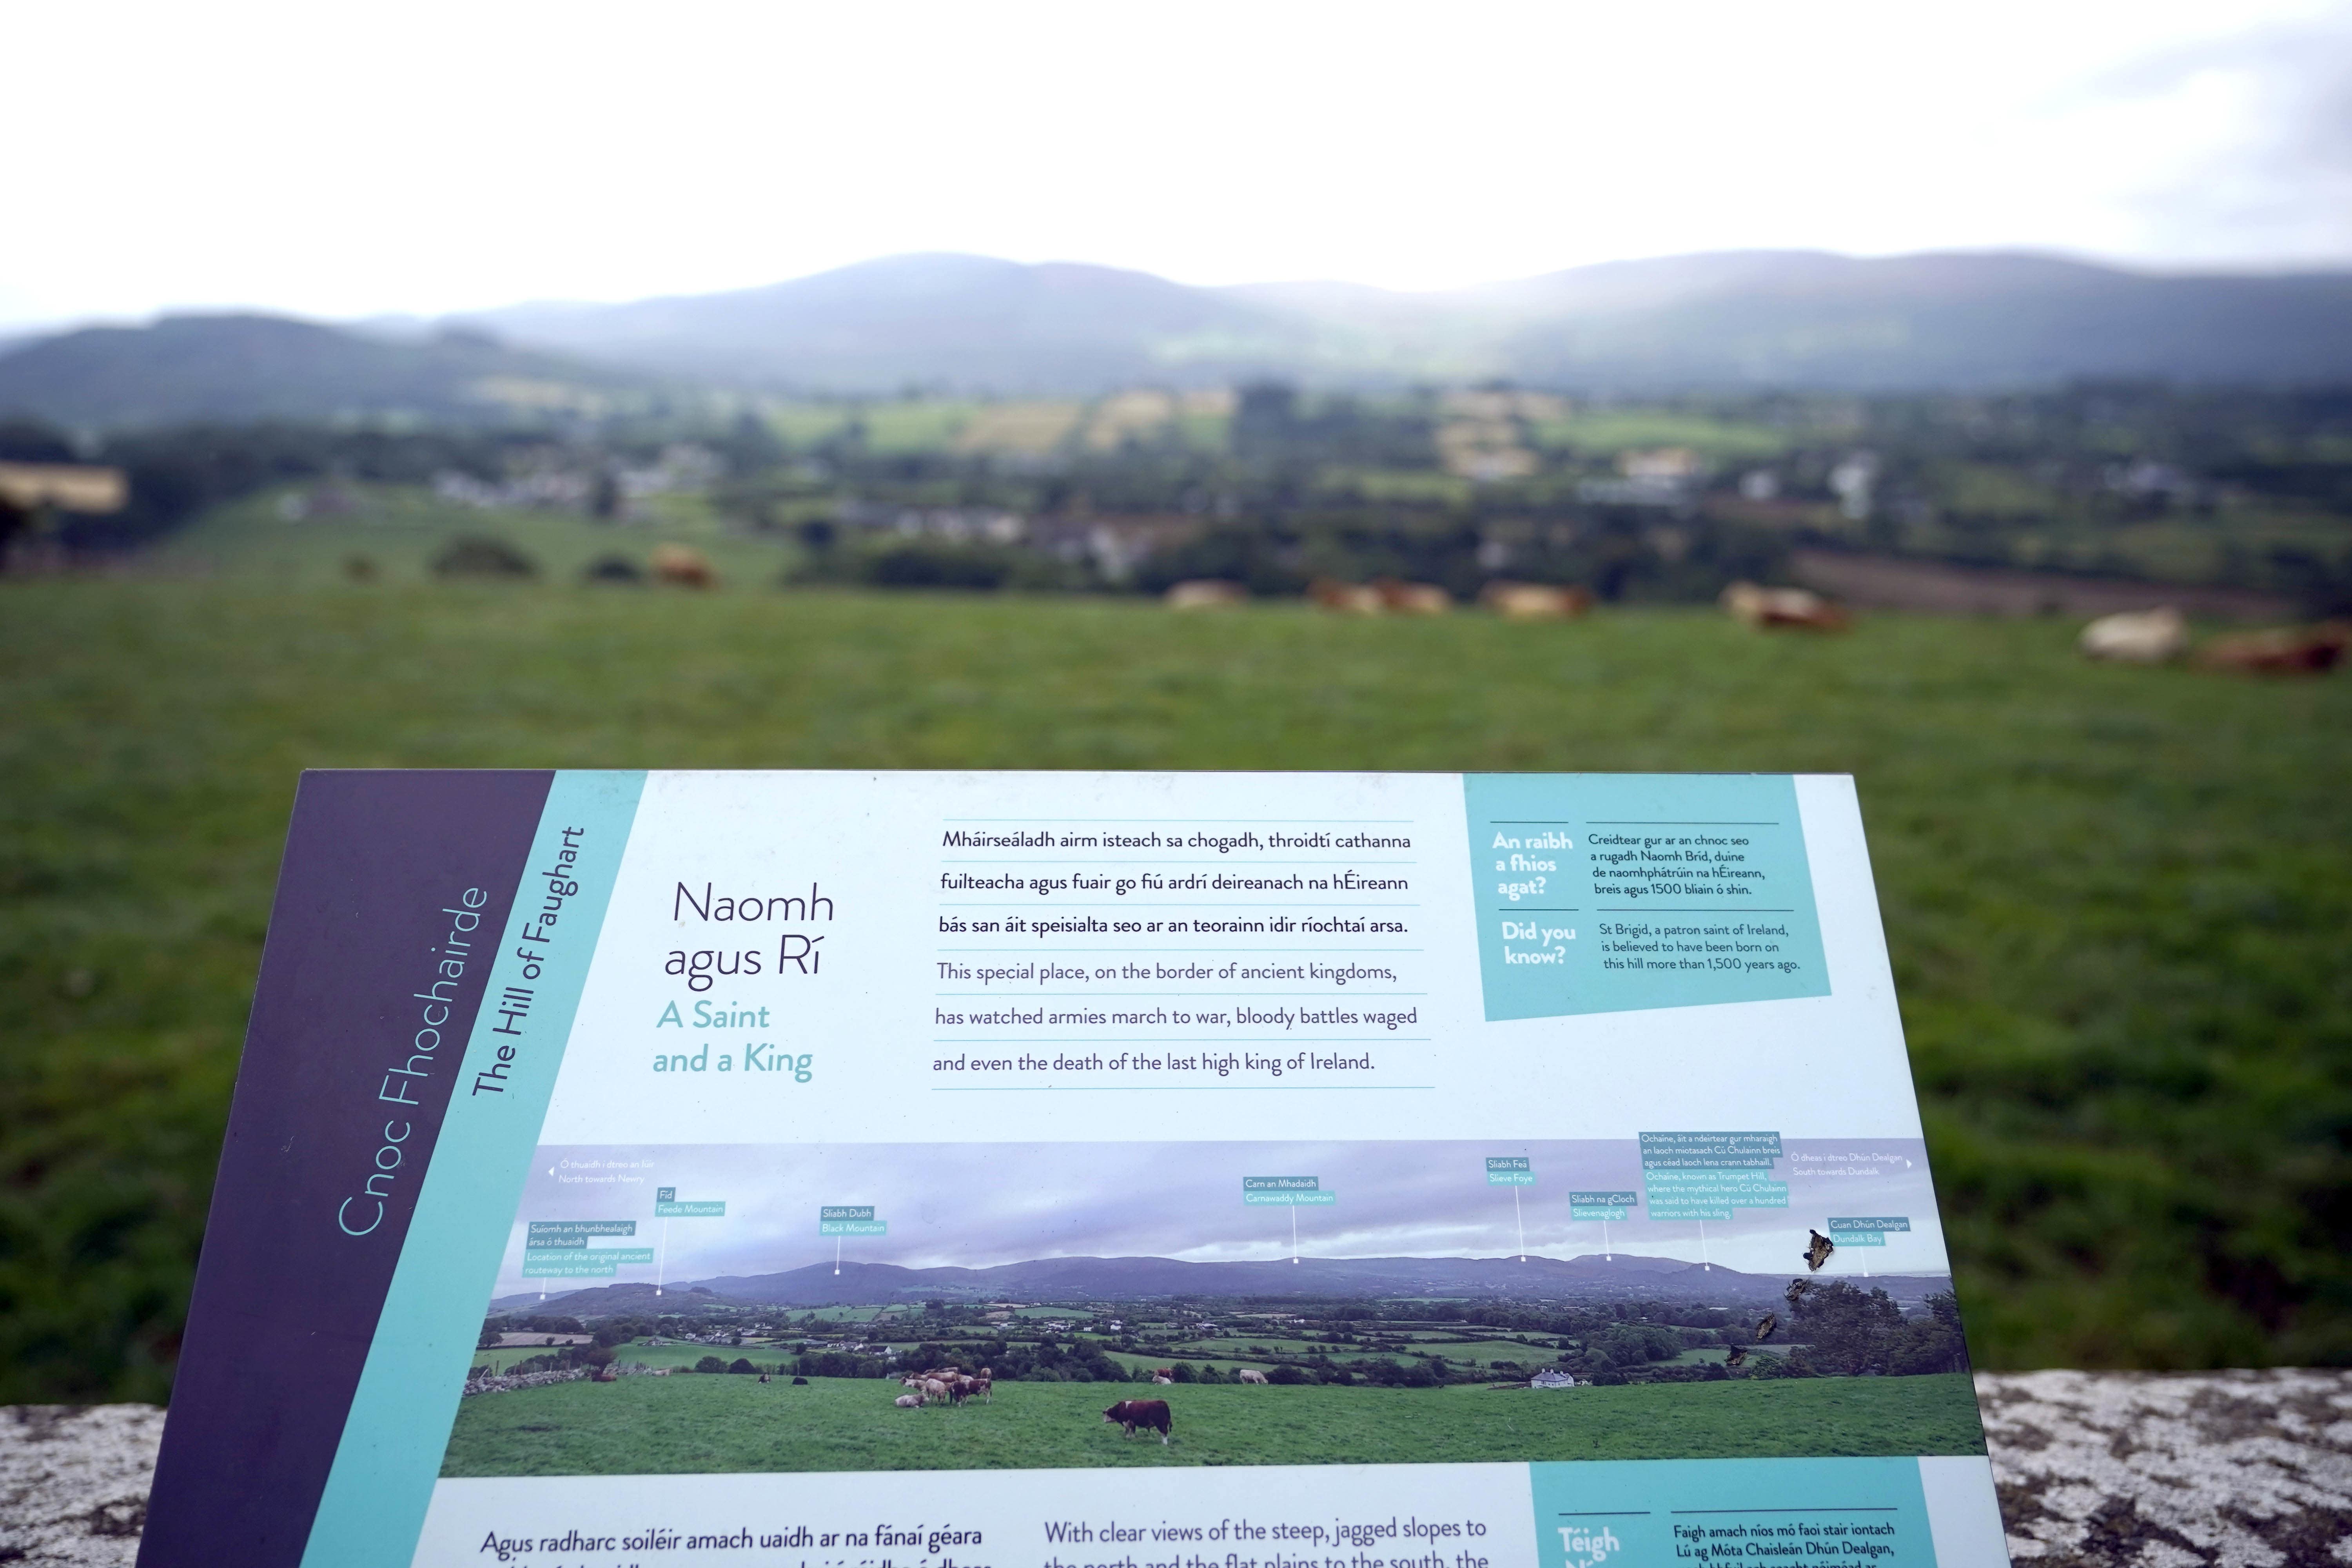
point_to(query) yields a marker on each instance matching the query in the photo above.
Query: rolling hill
(1961, 322)
(234, 368)
(966, 320)
(1591, 1276)
(1744, 319)
(1797, 320)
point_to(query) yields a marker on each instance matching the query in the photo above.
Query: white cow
(2145, 636)
(1250, 1375)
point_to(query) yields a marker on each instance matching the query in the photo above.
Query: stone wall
(2231, 1469)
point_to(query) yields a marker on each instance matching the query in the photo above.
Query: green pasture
(1607, 432)
(1479, 1353)
(657, 1356)
(696, 1425)
(2119, 901)
(1132, 1360)
(1399, 484)
(1244, 1352)
(919, 425)
(399, 530)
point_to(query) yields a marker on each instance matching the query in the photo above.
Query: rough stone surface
(73, 1481)
(2231, 1469)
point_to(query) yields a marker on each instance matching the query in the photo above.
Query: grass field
(670, 1356)
(2119, 900)
(1611, 431)
(400, 529)
(700, 1424)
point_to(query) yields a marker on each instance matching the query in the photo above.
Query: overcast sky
(974, 1206)
(344, 160)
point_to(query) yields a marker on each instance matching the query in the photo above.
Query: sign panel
(547, 1072)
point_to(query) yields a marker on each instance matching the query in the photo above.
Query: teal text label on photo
(581, 1228)
(1614, 893)
(1511, 1171)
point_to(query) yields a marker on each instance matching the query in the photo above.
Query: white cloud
(342, 160)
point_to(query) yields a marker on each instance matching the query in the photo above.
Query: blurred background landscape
(848, 398)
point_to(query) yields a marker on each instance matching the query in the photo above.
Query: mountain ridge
(1804, 319)
(245, 365)
(1586, 1276)
(1795, 320)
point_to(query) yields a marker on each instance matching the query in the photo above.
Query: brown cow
(1151, 1415)
(2293, 650)
(1345, 598)
(1399, 598)
(683, 565)
(1534, 601)
(1768, 608)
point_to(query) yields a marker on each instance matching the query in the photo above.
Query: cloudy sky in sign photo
(974, 1205)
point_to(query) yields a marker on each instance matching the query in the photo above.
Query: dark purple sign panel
(393, 891)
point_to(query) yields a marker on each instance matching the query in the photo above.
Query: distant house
(67, 487)
(32, 494)
(1852, 480)
(1677, 465)
(1662, 476)
(1551, 1380)
(1485, 451)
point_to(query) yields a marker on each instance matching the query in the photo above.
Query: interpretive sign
(511, 1260)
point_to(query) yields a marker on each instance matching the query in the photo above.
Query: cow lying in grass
(1151, 1415)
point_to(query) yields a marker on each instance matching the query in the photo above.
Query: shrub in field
(711, 1363)
(472, 555)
